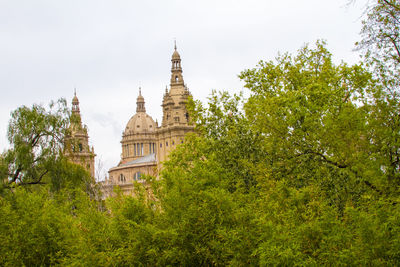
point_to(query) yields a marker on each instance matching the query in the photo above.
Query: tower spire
(75, 103)
(76, 121)
(176, 69)
(140, 102)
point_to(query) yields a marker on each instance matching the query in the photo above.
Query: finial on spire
(175, 43)
(140, 90)
(75, 91)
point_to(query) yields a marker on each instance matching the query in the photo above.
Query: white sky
(108, 48)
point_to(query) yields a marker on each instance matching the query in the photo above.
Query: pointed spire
(75, 103)
(175, 44)
(75, 119)
(176, 69)
(140, 102)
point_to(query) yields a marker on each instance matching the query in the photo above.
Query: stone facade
(76, 143)
(145, 145)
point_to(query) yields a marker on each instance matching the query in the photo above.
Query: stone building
(145, 145)
(76, 143)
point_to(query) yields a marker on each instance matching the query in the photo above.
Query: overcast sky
(107, 49)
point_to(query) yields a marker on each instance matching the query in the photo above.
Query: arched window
(80, 147)
(176, 78)
(122, 178)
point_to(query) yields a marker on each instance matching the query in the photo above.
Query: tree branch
(341, 166)
(392, 5)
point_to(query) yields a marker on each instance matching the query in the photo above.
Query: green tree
(380, 45)
(295, 177)
(313, 116)
(380, 42)
(36, 136)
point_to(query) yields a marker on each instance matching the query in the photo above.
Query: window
(122, 178)
(80, 147)
(166, 143)
(160, 145)
(141, 149)
(134, 147)
(173, 142)
(154, 148)
(176, 78)
(137, 176)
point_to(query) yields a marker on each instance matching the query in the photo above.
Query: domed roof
(141, 122)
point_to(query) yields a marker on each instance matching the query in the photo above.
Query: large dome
(140, 123)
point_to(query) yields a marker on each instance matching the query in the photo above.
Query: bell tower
(76, 143)
(175, 121)
(176, 70)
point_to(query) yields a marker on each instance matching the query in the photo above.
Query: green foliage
(35, 229)
(36, 138)
(313, 117)
(303, 172)
(380, 42)
(380, 46)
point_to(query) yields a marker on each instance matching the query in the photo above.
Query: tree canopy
(36, 136)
